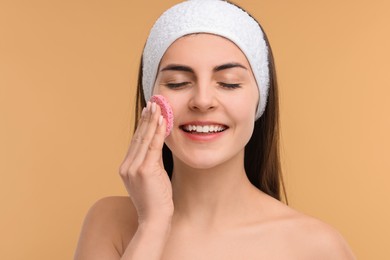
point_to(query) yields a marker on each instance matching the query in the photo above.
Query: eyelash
(222, 84)
(230, 85)
(176, 85)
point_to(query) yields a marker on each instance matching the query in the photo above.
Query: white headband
(214, 17)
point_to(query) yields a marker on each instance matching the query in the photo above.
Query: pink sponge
(166, 111)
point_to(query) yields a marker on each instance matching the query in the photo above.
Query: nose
(203, 98)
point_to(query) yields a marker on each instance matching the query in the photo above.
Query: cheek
(245, 123)
(244, 105)
(245, 130)
(243, 108)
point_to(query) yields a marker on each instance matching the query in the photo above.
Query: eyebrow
(229, 66)
(178, 67)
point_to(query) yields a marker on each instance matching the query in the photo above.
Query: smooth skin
(209, 210)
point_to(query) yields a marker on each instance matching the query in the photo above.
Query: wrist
(159, 225)
(154, 220)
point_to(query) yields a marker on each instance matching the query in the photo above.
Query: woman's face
(213, 94)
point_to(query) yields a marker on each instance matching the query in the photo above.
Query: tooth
(204, 129)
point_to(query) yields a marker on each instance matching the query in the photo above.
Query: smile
(203, 128)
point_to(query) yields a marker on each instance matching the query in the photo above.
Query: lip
(203, 137)
(203, 123)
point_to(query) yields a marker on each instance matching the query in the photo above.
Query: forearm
(148, 242)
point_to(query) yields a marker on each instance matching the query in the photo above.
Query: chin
(199, 162)
(205, 161)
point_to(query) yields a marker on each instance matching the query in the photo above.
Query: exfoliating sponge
(166, 111)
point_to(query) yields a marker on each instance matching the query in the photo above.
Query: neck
(206, 196)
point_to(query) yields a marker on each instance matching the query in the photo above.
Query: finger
(148, 135)
(137, 136)
(154, 153)
(141, 128)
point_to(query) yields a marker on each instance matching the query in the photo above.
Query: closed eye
(229, 85)
(176, 85)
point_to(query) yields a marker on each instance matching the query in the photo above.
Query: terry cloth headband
(214, 17)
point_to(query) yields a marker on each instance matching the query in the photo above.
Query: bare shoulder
(319, 240)
(308, 237)
(113, 212)
(108, 225)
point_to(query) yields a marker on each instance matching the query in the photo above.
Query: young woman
(212, 188)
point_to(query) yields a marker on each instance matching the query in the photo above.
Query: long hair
(261, 160)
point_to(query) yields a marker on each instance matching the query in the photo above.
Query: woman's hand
(143, 172)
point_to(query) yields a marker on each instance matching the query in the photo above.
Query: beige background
(67, 77)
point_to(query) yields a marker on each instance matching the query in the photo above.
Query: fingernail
(160, 120)
(153, 107)
(143, 112)
(148, 106)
